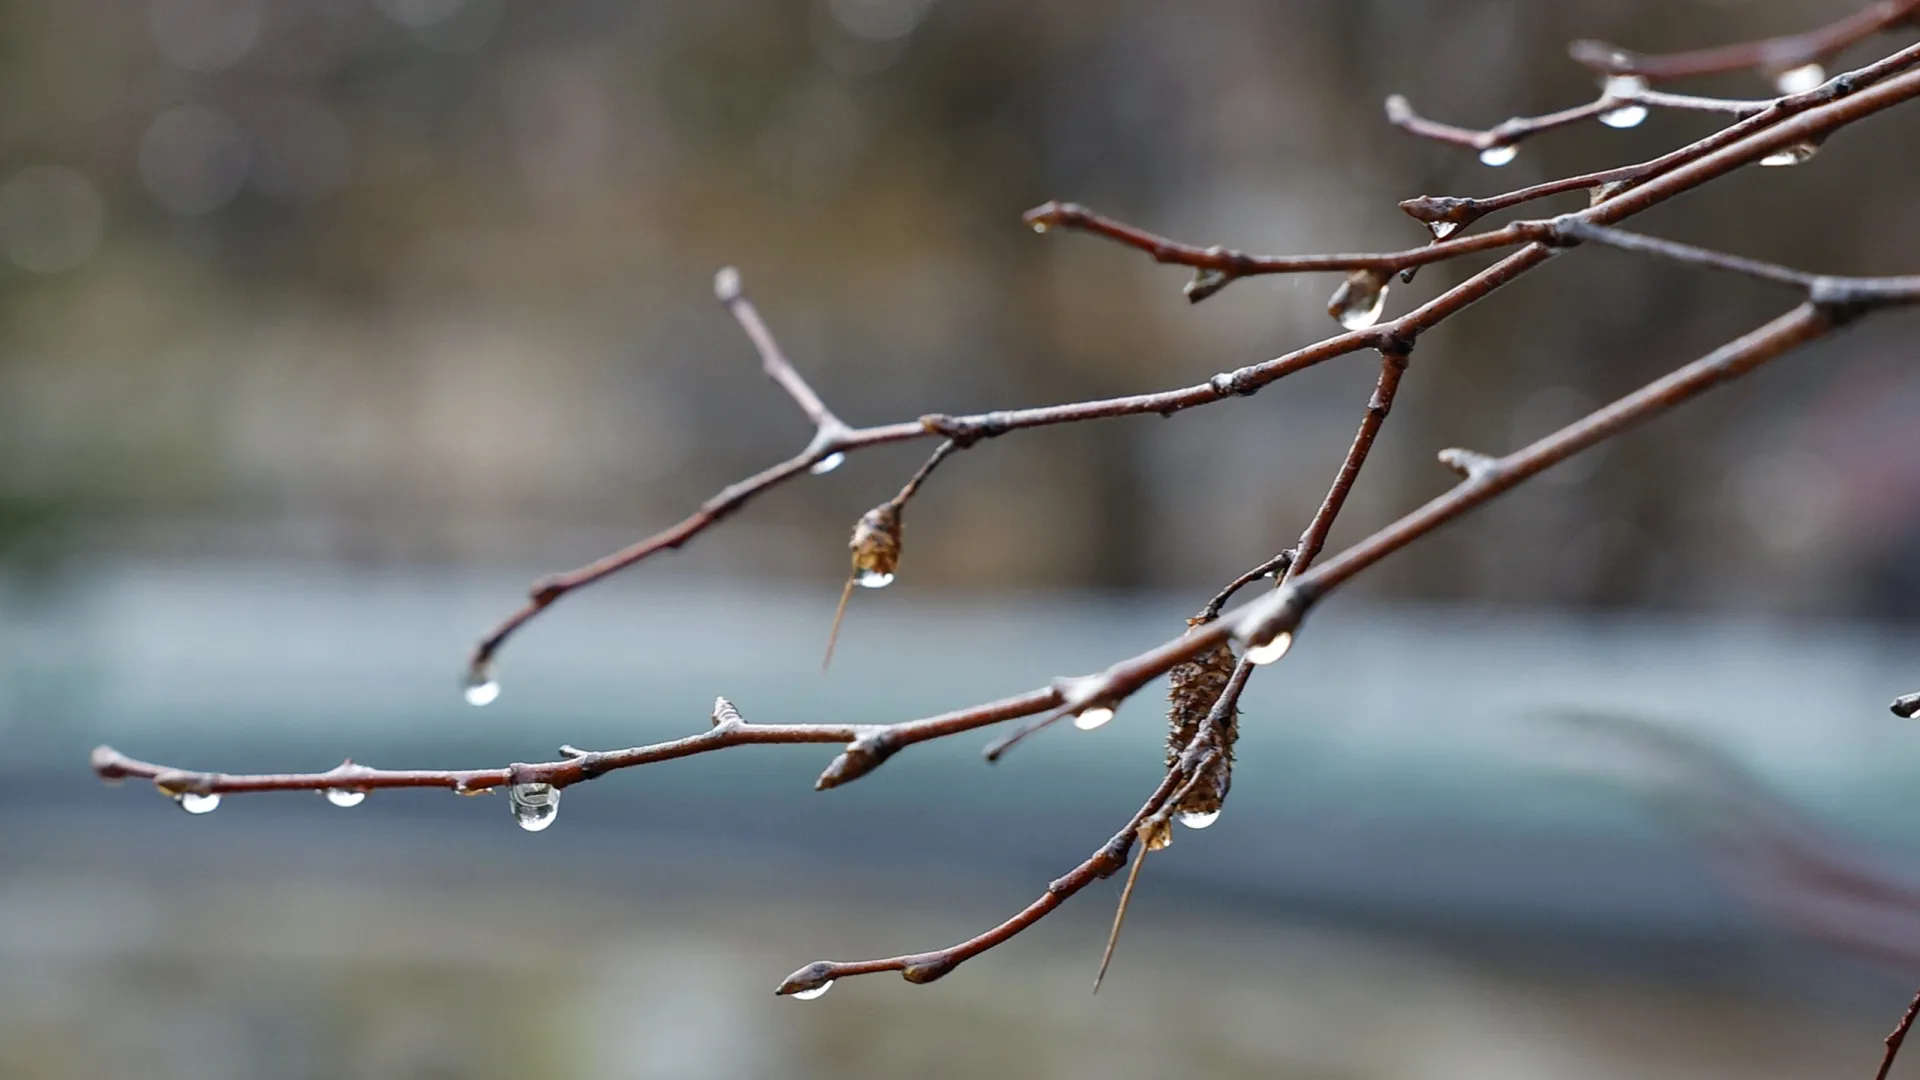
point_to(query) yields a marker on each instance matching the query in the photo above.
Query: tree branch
(1771, 55)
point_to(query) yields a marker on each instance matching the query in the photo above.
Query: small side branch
(1897, 1037)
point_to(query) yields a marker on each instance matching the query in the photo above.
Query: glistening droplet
(1271, 651)
(809, 995)
(1091, 717)
(873, 579)
(194, 802)
(482, 687)
(1625, 116)
(827, 464)
(1799, 80)
(1790, 155)
(1442, 229)
(1357, 303)
(1039, 227)
(1497, 156)
(344, 797)
(1197, 821)
(534, 805)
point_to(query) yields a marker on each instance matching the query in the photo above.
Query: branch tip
(726, 285)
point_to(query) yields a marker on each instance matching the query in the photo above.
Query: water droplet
(1357, 303)
(1799, 80)
(1159, 838)
(1091, 717)
(1625, 116)
(1442, 229)
(827, 464)
(482, 687)
(873, 579)
(344, 797)
(1271, 651)
(809, 995)
(534, 805)
(193, 802)
(1194, 820)
(1497, 156)
(1790, 155)
(1039, 227)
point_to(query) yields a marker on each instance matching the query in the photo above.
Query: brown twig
(1897, 1037)
(1769, 55)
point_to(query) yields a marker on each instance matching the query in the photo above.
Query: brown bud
(1193, 688)
(876, 545)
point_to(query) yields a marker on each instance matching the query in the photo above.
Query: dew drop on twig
(827, 464)
(873, 579)
(1497, 156)
(345, 797)
(810, 994)
(534, 805)
(482, 688)
(1442, 229)
(1092, 716)
(1193, 820)
(1357, 303)
(1629, 115)
(1790, 155)
(194, 802)
(1799, 80)
(1271, 651)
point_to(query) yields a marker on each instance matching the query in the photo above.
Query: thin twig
(1771, 55)
(1897, 1037)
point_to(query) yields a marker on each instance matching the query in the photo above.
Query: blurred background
(326, 325)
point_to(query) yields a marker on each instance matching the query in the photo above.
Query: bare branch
(1770, 55)
(726, 288)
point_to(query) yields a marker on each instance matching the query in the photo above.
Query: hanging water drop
(344, 797)
(809, 995)
(1799, 80)
(874, 579)
(534, 805)
(1626, 116)
(482, 687)
(827, 464)
(1091, 717)
(1194, 820)
(1791, 155)
(1497, 156)
(1442, 229)
(194, 802)
(1357, 303)
(1271, 651)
